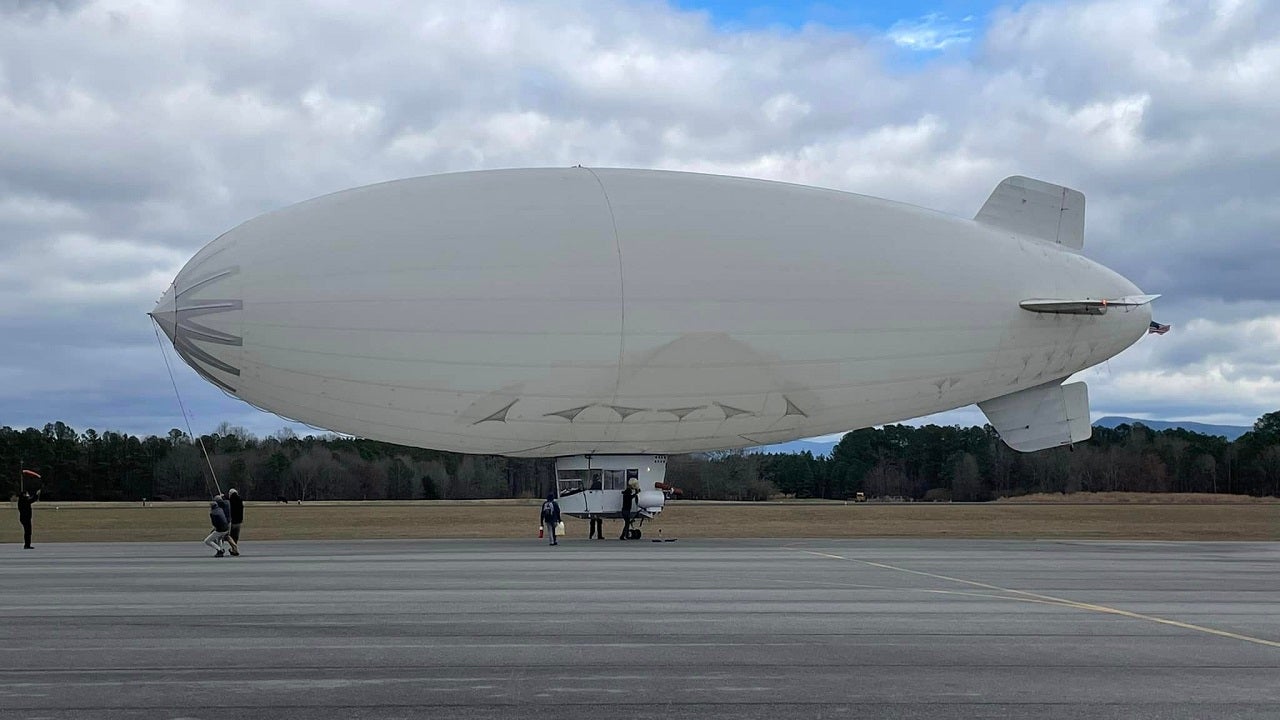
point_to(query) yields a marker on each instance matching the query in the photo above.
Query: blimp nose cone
(1129, 318)
(166, 313)
(200, 314)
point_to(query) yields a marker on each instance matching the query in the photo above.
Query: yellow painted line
(822, 554)
(929, 591)
(1049, 599)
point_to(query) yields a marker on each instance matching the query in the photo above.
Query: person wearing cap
(237, 518)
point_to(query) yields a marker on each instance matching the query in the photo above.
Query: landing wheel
(635, 535)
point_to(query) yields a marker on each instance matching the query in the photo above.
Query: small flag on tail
(1157, 328)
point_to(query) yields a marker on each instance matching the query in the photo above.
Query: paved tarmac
(608, 630)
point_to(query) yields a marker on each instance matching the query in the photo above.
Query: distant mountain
(1230, 432)
(797, 446)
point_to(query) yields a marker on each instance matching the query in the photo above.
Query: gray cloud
(133, 133)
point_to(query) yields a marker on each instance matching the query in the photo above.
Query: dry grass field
(1144, 517)
(1133, 498)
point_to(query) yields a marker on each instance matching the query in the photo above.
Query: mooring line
(183, 407)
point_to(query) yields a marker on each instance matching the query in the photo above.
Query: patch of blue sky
(923, 27)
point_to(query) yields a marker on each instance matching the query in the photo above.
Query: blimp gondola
(616, 313)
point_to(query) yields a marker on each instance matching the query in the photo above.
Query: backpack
(548, 510)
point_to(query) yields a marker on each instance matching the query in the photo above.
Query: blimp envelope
(555, 312)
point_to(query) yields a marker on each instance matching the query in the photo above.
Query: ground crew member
(237, 518)
(226, 540)
(551, 516)
(24, 515)
(629, 496)
(597, 525)
(218, 519)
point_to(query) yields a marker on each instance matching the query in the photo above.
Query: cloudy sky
(132, 133)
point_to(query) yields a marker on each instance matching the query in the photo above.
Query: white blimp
(608, 316)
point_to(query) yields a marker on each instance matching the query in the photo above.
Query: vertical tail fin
(1044, 416)
(1036, 208)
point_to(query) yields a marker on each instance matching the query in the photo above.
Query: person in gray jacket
(221, 526)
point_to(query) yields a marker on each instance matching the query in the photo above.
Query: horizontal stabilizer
(1041, 417)
(1036, 208)
(1087, 306)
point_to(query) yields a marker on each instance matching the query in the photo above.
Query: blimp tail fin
(1044, 416)
(1036, 208)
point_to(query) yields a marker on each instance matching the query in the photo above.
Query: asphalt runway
(608, 629)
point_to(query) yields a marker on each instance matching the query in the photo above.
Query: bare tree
(966, 479)
(181, 473)
(311, 474)
(399, 480)
(1269, 460)
(886, 479)
(1206, 473)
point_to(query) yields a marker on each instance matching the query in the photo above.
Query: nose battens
(184, 318)
(164, 315)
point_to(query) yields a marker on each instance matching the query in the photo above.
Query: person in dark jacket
(551, 516)
(226, 540)
(237, 518)
(629, 496)
(221, 526)
(24, 515)
(597, 525)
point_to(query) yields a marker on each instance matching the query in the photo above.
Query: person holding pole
(221, 526)
(25, 498)
(24, 516)
(226, 540)
(237, 519)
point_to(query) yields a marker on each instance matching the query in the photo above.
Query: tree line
(973, 464)
(925, 463)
